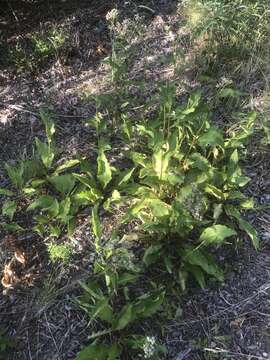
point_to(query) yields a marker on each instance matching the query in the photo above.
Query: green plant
(111, 299)
(60, 252)
(187, 192)
(229, 32)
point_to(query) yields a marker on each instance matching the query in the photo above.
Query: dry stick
(223, 351)
(52, 334)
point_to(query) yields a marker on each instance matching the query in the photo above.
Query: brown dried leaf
(237, 322)
(20, 256)
(9, 277)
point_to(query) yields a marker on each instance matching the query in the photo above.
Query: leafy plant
(188, 175)
(109, 298)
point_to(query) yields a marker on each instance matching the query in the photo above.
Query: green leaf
(96, 225)
(217, 193)
(218, 209)
(13, 227)
(64, 209)
(103, 311)
(195, 256)
(216, 234)
(159, 208)
(148, 304)
(45, 153)
(124, 318)
(212, 137)
(124, 177)
(104, 172)
(63, 183)
(66, 165)
(198, 275)
(161, 162)
(152, 254)
(244, 225)
(9, 209)
(48, 123)
(43, 202)
(233, 163)
(94, 352)
(6, 192)
(16, 174)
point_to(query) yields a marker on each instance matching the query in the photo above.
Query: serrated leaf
(16, 174)
(216, 234)
(63, 183)
(9, 209)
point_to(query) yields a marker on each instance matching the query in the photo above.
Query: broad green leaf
(13, 227)
(195, 256)
(231, 93)
(48, 123)
(244, 225)
(9, 209)
(66, 165)
(85, 196)
(199, 162)
(6, 192)
(159, 208)
(86, 180)
(152, 254)
(96, 225)
(45, 152)
(124, 317)
(114, 352)
(198, 275)
(64, 209)
(43, 202)
(94, 352)
(161, 162)
(218, 209)
(212, 137)
(104, 172)
(216, 234)
(103, 311)
(233, 163)
(63, 183)
(148, 304)
(217, 193)
(124, 177)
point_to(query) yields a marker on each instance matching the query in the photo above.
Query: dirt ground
(231, 321)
